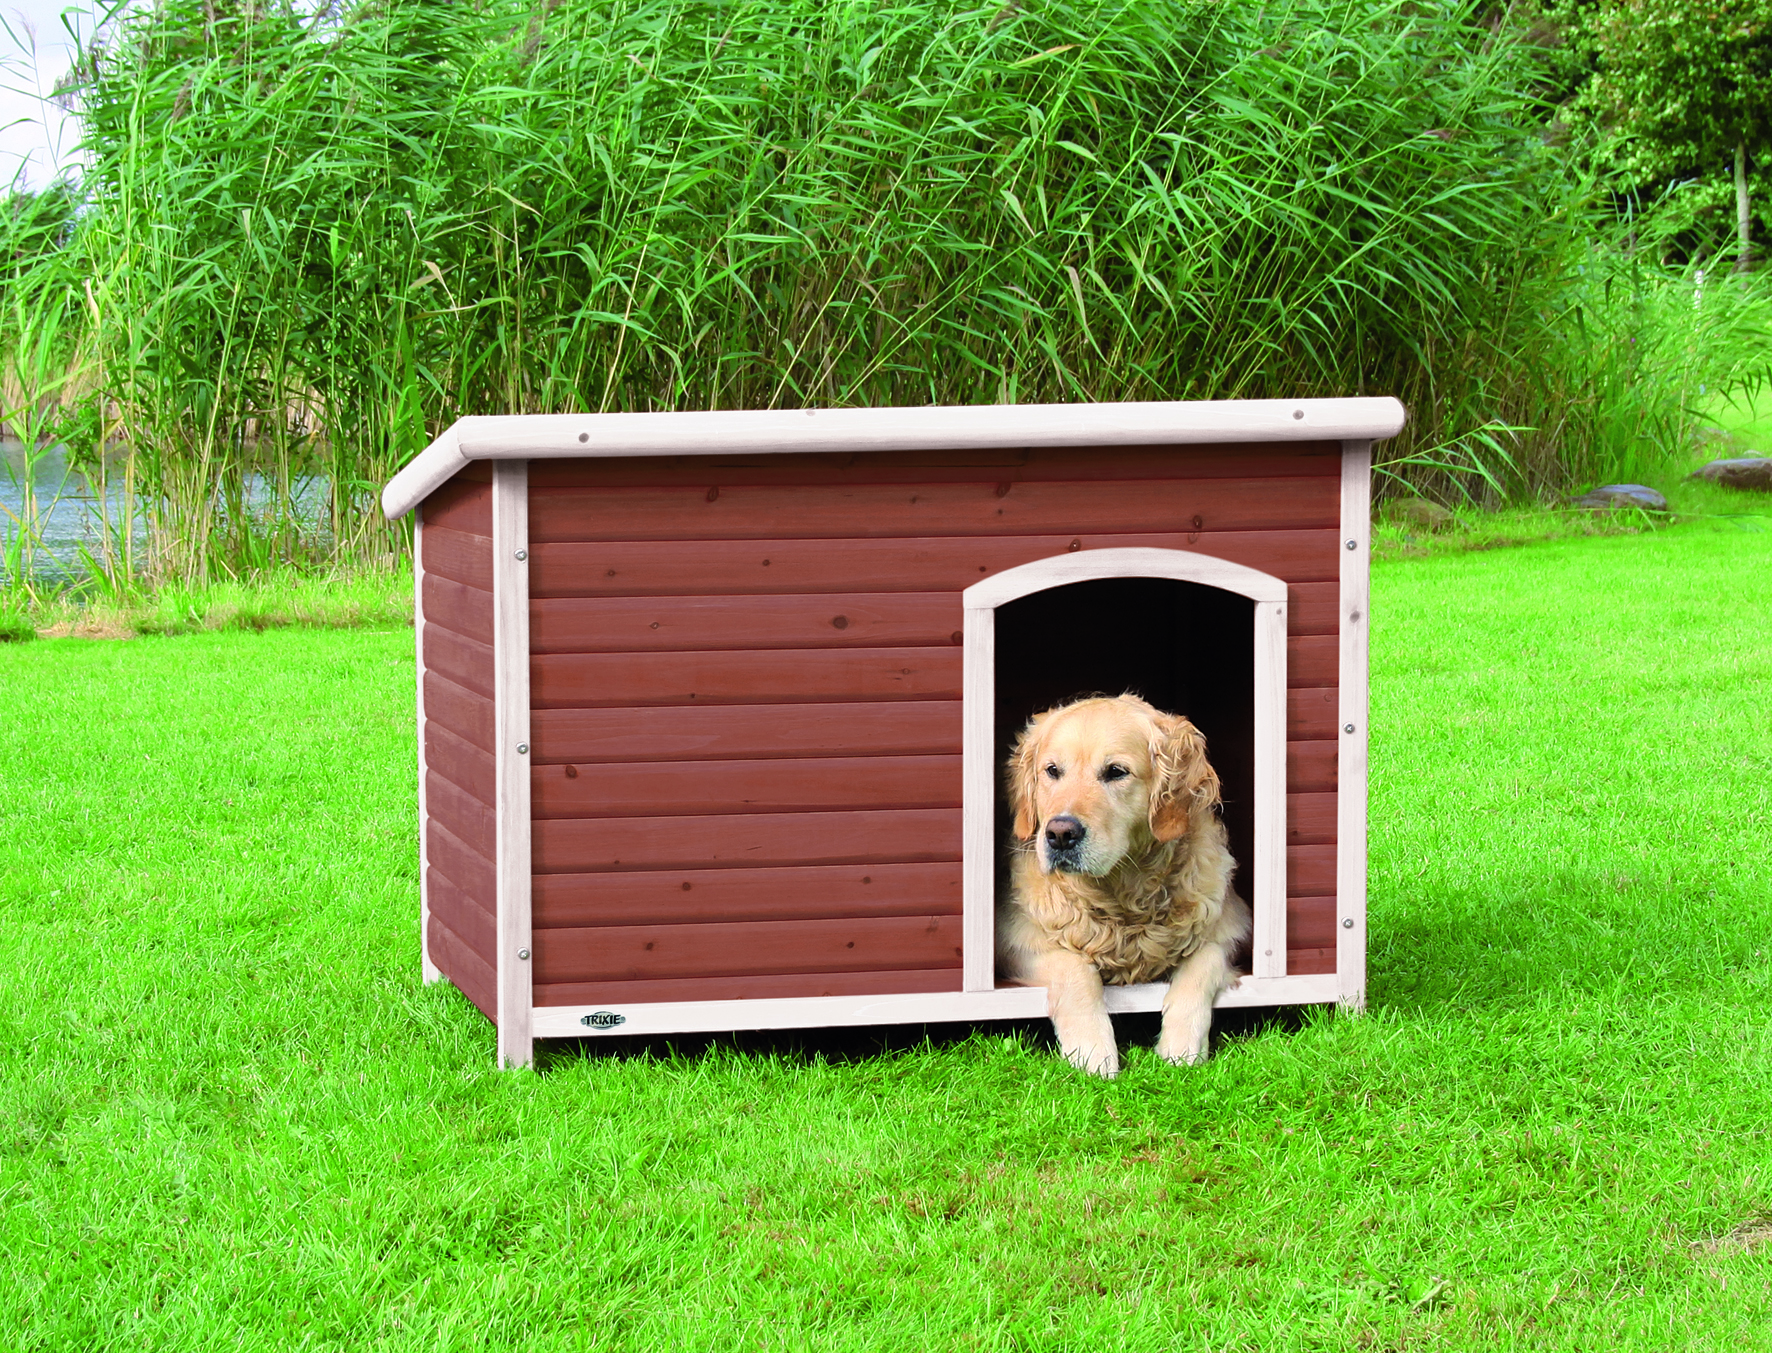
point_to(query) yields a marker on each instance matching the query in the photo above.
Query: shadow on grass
(866, 1042)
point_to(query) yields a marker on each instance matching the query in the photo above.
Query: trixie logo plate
(603, 1019)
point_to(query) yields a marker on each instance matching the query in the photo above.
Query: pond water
(72, 513)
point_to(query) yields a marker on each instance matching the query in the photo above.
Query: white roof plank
(749, 432)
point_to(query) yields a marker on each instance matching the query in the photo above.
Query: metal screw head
(1347, 728)
(522, 749)
(524, 554)
(523, 953)
(1353, 544)
(1348, 923)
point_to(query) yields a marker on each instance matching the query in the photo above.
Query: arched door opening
(1192, 634)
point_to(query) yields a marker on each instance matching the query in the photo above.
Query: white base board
(930, 1007)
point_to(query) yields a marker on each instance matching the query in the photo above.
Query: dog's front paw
(1096, 1059)
(1185, 1040)
(1088, 1044)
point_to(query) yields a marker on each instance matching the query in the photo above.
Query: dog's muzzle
(1064, 842)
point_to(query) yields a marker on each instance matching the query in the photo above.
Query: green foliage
(230, 1116)
(1683, 82)
(1664, 93)
(309, 241)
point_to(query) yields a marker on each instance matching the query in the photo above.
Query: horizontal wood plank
(803, 620)
(685, 896)
(459, 556)
(463, 712)
(1311, 711)
(799, 511)
(1310, 923)
(798, 784)
(1310, 766)
(618, 994)
(592, 680)
(769, 676)
(1303, 962)
(625, 568)
(746, 948)
(1313, 608)
(1244, 460)
(465, 867)
(1310, 819)
(1313, 660)
(455, 959)
(887, 836)
(467, 767)
(1310, 871)
(471, 922)
(458, 607)
(470, 820)
(463, 504)
(719, 732)
(467, 662)
(669, 624)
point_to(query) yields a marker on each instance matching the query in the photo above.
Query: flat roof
(752, 432)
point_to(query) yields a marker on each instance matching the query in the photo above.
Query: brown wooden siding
(863, 511)
(748, 948)
(1007, 465)
(685, 896)
(652, 568)
(719, 732)
(746, 684)
(749, 988)
(460, 840)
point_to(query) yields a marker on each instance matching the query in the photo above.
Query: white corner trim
(428, 971)
(510, 628)
(1353, 750)
(748, 432)
(978, 887)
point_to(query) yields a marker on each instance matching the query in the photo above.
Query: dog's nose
(1064, 833)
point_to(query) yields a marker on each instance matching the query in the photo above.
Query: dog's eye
(1115, 772)
(1053, 772)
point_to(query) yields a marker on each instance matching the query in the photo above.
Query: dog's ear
(1022, 781)
(1185, 785)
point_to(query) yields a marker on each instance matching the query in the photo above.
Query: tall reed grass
(306, 240)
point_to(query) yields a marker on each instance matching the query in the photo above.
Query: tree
(1684, 84)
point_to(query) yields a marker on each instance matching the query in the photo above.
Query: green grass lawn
(231, 1117)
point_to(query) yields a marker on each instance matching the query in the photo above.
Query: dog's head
(1097, 780)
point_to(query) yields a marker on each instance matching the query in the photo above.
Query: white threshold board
(929, 1007)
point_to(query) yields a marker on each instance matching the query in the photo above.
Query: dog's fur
(1121, 873)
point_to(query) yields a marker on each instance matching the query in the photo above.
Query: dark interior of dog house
(1187, 648)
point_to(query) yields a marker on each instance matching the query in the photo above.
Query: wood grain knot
(572, 772)
(839, 622)
(713, 493)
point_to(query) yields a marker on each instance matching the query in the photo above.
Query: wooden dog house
(712, 706)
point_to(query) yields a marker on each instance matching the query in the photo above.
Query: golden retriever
(1121, 873)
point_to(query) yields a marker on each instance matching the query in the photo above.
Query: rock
(1610, 496)
(1421, 514)
(1743, 472)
